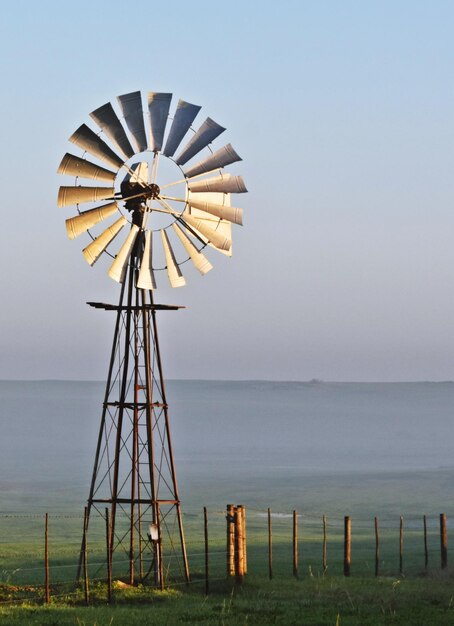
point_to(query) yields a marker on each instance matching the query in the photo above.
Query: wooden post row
(236, 543)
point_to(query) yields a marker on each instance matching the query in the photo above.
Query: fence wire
(410, 551)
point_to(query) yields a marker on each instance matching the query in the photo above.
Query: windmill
(152, 209)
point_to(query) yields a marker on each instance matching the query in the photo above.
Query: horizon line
(313, 381)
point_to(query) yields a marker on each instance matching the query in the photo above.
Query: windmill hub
(154, 191)
(138, 193)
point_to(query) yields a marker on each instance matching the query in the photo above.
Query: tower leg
(167, 426)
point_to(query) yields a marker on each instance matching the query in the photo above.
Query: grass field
(332, 601)
(418, 597)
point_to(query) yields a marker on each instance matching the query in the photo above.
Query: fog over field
(233, 437)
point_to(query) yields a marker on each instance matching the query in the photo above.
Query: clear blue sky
(343, 113)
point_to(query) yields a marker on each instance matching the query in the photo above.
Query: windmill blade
(217, 239)
(146, 278)
(158, 106)
(88, 140)
(77, 195)
(222, 211)
(183, 118)
(223, 184)
(229, 213)
(222, 227)
(199, 260)
(204, 136)
(75, 166)
(107, 120)
(94, 250)
(79, 224)
(176, 278)
(222, 157)
(118, 268)
(131, 105)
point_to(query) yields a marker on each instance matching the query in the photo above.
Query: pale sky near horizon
(343, 113)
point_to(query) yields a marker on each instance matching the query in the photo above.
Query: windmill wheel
(152, 194)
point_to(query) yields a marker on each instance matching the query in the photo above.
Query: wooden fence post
(46, 557)
(85, 555)
(295, 544)
(443, 541)
(239, 560)
(230, 540)
(243, 533)
(205, 525)
(270, 546)
(401, 545)
(347, 544)
(324, 564)
(377, 547)
(426, 550)
(109, 558)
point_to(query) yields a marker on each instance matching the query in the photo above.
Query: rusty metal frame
(134, 470)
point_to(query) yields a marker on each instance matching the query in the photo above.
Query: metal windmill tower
(134, 475)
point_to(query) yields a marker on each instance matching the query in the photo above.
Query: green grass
(312, 602)
(417, 598)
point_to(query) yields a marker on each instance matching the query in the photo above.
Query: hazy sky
(344, 115)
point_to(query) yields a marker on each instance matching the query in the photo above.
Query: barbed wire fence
(277, 545)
